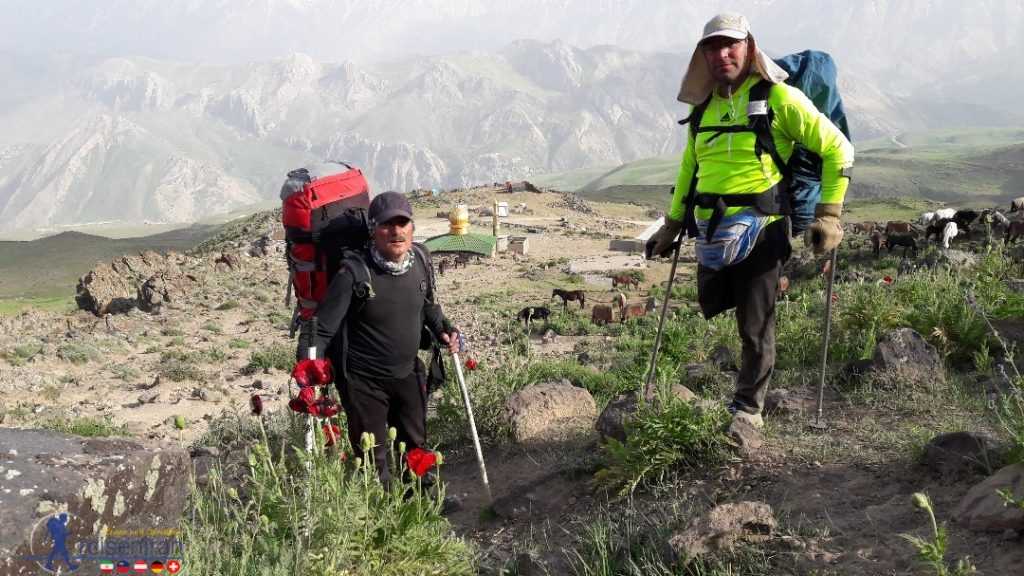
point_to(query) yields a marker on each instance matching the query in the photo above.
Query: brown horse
(570, 295)
(627, 280)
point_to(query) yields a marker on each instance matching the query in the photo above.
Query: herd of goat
(944, 224)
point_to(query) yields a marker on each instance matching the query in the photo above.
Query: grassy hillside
(967, 167)
(49, 268)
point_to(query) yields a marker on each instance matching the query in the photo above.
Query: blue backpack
(814, 73)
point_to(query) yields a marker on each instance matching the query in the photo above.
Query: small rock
(257, 384)
(782, 401)
(149, 397)
(200, 394)
(548, 337)
(722, 528)
(905, 353)
(746, 436)
(959, 453)
(722, 358)
(983, 509)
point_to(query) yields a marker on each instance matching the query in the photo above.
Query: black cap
(389, 205)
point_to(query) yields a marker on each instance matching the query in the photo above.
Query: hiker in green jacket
(742, 241)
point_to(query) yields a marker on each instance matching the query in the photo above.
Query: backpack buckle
(757, 108)
(363, 290)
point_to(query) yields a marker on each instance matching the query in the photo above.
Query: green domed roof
(482, 244)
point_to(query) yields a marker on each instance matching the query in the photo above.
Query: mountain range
(142, 111)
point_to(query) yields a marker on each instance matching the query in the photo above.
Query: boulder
(160, 289)
(722, 528)
(99, 484)
(114, 288)
(903, 351)
(103, 291)
(551, 411)
(983, 509)
(958, 453)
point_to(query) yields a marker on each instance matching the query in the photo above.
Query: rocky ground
(195, 336)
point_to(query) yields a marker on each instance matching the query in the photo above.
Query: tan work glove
(661, 241)
(825, 234)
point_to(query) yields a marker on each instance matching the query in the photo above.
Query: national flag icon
(173, 566)
(141, 566)
(107, 566)
(124, 567)
(156, 567)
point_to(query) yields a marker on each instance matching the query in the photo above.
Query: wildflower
(179, 422)
(471, 363)
(313, 372)
(307, 403)
(401, 447)
(835, 297)
(887, 280)
(420, 460)
(332, 432)
(256, 403)
(392, 433)
(367, 441)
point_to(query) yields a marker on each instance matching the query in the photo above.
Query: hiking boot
(754, 420)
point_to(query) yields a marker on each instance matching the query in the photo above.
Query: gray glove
(660, 244)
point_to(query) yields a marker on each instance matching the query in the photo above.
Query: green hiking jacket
(728, 166)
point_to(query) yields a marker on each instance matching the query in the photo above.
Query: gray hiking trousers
(752, 288)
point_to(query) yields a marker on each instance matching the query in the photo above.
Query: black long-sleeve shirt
(383, 330)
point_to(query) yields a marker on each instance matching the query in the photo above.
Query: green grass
(275, 357)
(78, 352)
(333, 517)
(90, 427)
(70, 255)
(57, 303)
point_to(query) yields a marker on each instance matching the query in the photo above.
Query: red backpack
(324, 214)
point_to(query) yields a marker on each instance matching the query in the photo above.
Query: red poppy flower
(471, 363)
(308, 403)
(332, 432)
(835, 297)
(420, 461)
(313, 372)
(256, 403)
(887, 279)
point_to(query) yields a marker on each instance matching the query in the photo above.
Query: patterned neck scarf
(393, 268)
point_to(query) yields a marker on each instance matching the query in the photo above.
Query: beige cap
(698, 83)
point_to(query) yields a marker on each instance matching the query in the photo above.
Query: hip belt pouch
(732, 241)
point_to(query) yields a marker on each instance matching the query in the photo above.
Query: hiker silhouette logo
(52, 546)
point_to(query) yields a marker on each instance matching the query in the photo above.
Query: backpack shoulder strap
(760, 116)
(423, 255)
(355, 262)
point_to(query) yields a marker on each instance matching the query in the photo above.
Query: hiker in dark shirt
(375, 309)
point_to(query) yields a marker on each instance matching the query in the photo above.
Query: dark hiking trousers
(374, 405)
(751, 287)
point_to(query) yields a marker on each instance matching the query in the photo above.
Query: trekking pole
(649, 384)
(472, 423)
(311, 355)
(818, 422)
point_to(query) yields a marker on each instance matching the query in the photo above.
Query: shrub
(92, 427)
(931, 552)
(227, 305)
(662, 439)
(277, 357)
(77, 353)
(212, 327)
(238, 343)
(22, 353)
